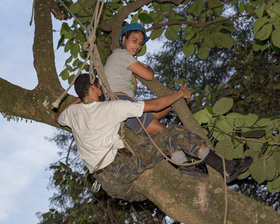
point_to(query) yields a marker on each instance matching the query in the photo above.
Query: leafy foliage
(204, 25)
(245, 135)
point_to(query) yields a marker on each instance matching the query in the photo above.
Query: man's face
(99, 92)
(134, 42)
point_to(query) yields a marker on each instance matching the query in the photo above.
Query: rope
(91, 37)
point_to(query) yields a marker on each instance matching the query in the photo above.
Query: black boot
(195, 170)
(233, 167)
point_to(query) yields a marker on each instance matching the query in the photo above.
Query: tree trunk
(183, 198)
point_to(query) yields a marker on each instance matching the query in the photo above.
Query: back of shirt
(95, 128)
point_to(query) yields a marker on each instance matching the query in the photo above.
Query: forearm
(162, 102)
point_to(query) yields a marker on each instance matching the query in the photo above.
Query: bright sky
(24, 154)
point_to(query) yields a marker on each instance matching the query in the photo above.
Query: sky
(25, 153)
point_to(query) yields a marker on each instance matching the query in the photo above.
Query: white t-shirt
(95, 128)
(117, 72)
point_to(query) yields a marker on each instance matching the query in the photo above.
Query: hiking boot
(233, 167)
(193, 171)
(236, 167)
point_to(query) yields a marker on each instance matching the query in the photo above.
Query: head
(132, 37)
(82, 85)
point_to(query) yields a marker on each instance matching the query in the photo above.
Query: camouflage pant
(117, 177)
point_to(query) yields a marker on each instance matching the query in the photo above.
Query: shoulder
(121, 53)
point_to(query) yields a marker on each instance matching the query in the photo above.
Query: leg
(178, 137)
(162, 113)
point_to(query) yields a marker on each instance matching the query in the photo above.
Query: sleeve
(127, 109)
(63, 118)
(126, 59)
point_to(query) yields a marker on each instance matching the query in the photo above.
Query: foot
(236, 167)
(193, 171)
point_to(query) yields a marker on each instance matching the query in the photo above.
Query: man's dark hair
(82, 84)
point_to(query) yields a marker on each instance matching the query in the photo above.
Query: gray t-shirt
(117, 72)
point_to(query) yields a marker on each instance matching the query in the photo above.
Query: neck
(87, 100)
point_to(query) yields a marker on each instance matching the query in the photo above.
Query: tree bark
(183, 198)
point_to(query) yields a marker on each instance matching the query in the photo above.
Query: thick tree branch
(43, 48)
(170, 23)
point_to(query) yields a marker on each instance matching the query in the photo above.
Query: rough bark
(185, 199)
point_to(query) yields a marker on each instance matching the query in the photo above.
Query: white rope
(90, 52)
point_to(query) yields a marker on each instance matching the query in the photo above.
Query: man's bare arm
(162, 102)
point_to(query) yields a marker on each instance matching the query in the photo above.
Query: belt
(124, 151)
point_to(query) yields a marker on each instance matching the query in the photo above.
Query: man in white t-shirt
(95, 126)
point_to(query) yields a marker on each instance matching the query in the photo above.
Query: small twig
(84, 7)
(68, 153)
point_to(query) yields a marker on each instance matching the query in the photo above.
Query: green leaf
(71, 78)
(264, 32)
(61, 41)
(225, 148)
(238, 151)
(260, 10)
(259, 24)
(223, 106)
(196, 7)
(77, 62)
(238, 123)
(142, 51)
(260, 47)
(189, 32)
(224, 124)
(276, 183)
(222, 39)
(250, 119)
(254, 134)
(214, 3)
(244, 175)
(76, 8)
(270, 187)
(64, 74)
(188, 49)
(258, 170)
(156, 33)
(68, 46)
(241, 7)
(75, 49)
(171, 33)
(275, 37)
(202, 116)
(145, 18)
(271, 167)
(203, 52)
(254, 148)
(65, 31)
(68, 60)
(263, 122)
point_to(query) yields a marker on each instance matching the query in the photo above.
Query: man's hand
(186, 92)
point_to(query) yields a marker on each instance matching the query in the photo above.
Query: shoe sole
(246, 163)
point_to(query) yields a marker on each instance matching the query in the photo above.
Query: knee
(154, 127)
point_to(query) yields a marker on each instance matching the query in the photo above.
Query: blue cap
(133, 26)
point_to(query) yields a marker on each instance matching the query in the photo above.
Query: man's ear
(123, 40)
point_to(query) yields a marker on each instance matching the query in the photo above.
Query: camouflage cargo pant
(117, 177)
